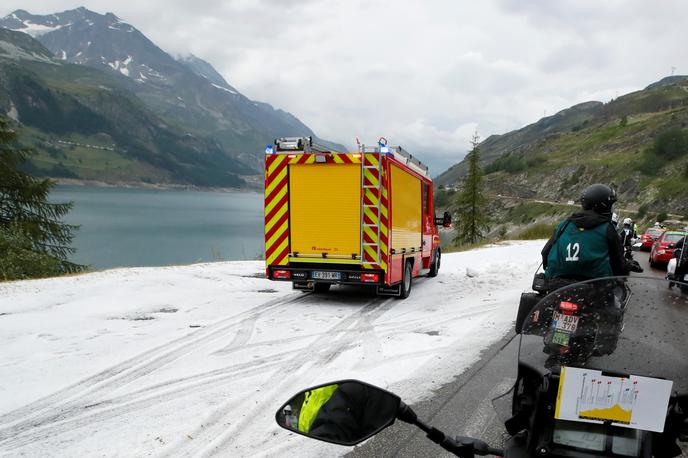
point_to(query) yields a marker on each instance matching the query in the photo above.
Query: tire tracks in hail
(83, 416)
(225, 435)
(85, 392)
(214, 434)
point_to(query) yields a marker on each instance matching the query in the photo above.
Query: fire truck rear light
(284, 274)
(568, 307)
(370, 278)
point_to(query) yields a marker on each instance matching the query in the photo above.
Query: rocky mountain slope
(638, 142)
(84, 124)
(186, 95)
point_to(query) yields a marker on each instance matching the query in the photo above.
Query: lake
(124, 227)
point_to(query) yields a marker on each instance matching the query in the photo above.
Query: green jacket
(581, 250)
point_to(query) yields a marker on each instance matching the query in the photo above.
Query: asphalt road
(464, 407)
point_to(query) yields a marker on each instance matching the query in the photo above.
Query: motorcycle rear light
(370, 278)
(282, 274)
(569, 307)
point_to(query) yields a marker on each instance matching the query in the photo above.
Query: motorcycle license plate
(326, 275)
(561, 338)
(566, 323)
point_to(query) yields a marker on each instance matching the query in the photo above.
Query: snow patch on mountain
(120, 66)
(224, 89)
(36, 30)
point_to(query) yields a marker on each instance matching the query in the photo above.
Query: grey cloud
(423, 74)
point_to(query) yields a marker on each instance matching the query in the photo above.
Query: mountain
(206, 70)
(85, 124)
(638, 142)
(187, 92)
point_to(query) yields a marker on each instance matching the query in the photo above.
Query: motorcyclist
(585, 245)
(679, 254)
(351, 412)
(626, 233)
(312, 402)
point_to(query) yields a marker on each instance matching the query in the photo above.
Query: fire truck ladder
(371, 183)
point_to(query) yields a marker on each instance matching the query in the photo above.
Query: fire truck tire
(435, 266)
(321, 287)
(406, 281)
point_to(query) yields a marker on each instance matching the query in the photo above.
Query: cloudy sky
(424, 74)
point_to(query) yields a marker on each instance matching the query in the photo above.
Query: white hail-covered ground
(195, 360)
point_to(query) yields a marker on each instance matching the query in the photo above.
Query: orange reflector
(356, 155)
(370, 278)
(286, 274)
(291, 156)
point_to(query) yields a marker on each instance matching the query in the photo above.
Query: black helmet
(598, 197)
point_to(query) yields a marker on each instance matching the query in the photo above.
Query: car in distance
(663, 248)
(649, 237)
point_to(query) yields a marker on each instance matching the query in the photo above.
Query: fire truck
(359, 218)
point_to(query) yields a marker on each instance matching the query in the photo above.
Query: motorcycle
(628, 399)
(678, 263)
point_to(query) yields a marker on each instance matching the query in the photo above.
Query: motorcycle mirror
(346, 412)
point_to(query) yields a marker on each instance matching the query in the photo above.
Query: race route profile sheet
(636, 402)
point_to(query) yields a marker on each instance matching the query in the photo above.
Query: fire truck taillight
(370, 278)
(281, 274)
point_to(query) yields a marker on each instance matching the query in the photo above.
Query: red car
(663, 248)
(649, 237)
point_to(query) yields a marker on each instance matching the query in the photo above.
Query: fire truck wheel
(406, 281)
(321, 287)
(435, 266)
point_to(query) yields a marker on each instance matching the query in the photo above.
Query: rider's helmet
(657, 225)
(628, 222)
(598, 197)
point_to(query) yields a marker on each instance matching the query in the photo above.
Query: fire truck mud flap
(394, 290)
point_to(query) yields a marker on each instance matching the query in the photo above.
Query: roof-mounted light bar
(299, 144)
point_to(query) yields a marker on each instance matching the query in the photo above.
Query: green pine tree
(34, 242)
(472, 221)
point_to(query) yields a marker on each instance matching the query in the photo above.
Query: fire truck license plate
(326, 275)
(566, 323)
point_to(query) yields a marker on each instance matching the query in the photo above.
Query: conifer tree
(34, 241)
(472, 220)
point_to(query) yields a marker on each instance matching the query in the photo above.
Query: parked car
(663, 248)
(649, 237)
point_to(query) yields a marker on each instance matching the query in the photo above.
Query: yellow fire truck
(361, 218)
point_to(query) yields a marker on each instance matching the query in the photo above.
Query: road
(551, 202)
(464, 406)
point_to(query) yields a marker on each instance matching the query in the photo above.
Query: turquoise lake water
(124, 227)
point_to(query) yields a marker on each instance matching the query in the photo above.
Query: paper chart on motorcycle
(586, 395)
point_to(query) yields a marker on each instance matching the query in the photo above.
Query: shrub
(671, 144)
(536, 232)
(20, 260)
(642, 211)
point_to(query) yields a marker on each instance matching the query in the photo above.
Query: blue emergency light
(269, 150)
